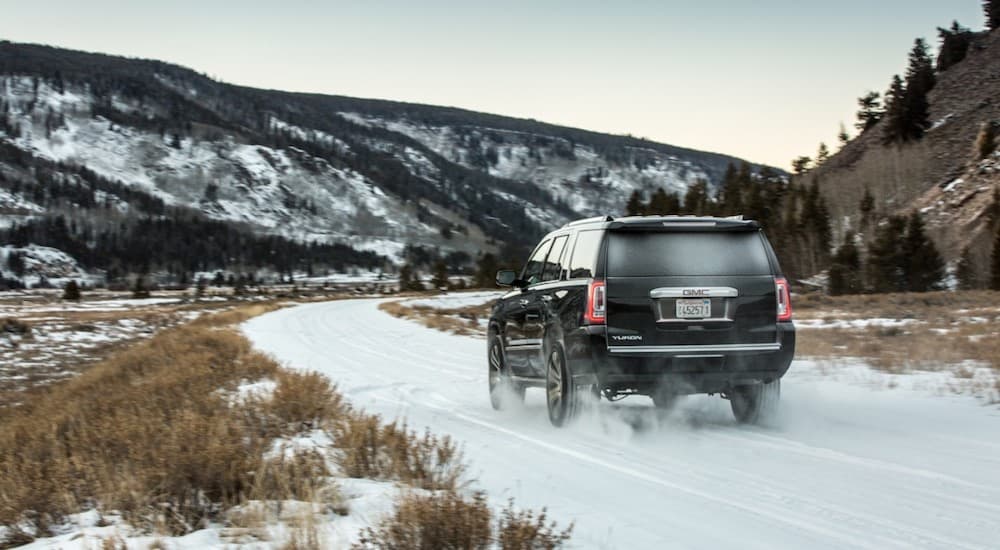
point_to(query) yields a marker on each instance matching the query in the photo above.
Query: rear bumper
(682, 369)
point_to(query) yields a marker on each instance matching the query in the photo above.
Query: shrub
(303, 400)
(447, 520)
(71, 291)
(525, 530)
(439, 521)
(374, 450)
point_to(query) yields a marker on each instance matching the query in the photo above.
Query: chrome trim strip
(525, 342)
(694, 349)
(695, 320)
(694, 292)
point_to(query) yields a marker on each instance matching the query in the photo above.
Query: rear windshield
(658, 254)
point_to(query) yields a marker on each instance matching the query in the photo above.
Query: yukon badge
(626, 338)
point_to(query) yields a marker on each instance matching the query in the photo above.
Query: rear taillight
(597, 303)
(784, 299)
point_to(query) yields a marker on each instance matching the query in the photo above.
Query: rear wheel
(560, 392)
(503, 390)
(755, 403)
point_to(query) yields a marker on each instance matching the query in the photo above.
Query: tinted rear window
(659, 254)
(588, 244)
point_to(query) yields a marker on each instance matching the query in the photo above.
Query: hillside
(373, 175)
(939, 175)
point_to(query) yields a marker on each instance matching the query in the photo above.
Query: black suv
(653, 305)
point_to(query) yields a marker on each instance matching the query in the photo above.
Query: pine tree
(920, 79)
(845, 270)
(886, 264)
(15, 262)
(139, 290)
(801, 165)
(965, 271)
(842, 136)
(822, 154)
(867, 208)
(405, 277)
(696, 199)
(658, 203)
(895, 111)
(992, 10)
(924, 267)
(816, 219)
(729, 199)
(955, 43)
(635, 205)
(995, 271)
(71, 291)
(440, 279)
(486, 271)
(871, 111)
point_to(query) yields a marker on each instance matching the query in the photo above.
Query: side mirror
(506, 277)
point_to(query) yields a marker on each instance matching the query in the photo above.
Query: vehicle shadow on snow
(637, 417)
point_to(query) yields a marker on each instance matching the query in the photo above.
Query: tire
(560, 393)
(755, 403)
(503, 390)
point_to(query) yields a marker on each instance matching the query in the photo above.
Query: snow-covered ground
(368, 501)
(456, 300)
(849, 464)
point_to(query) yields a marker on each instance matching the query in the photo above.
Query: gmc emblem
(695, 292)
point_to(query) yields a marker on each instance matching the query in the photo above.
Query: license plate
(699, 308)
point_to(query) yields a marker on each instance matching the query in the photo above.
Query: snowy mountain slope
(847, 465)
(286, 191)
(587, 181)
(377, 175)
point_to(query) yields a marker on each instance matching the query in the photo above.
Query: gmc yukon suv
(654, 305)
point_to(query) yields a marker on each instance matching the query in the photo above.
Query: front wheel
(503, 390)
(755, 403)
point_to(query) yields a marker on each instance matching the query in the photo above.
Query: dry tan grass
(463, 320)
(148, 433)
(945, 329)
(144, 432)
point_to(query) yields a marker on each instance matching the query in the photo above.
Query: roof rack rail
(595, 219)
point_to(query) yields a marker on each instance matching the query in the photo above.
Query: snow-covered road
(846, 466)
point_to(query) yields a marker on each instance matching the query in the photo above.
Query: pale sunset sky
(764, 80)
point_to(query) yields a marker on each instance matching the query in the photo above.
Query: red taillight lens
(784, 299)
(597, 303)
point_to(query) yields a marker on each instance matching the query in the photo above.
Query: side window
(533, 270)
(553, 267)
(588, 244)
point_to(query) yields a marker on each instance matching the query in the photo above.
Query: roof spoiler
(687, 224)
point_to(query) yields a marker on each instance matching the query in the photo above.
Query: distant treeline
(84, 218)
(899, 256)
